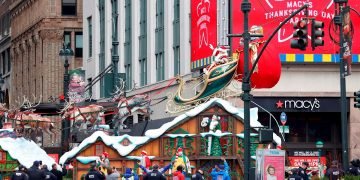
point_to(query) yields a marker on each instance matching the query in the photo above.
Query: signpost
(283, 119)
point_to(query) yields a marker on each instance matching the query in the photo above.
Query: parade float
(204, 134)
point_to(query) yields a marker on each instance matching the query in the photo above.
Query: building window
(78, 44)
(8, 60)
(3, 59)
(102, 46)
(99, 149)
(67, 38)
(159, 38)
(127, 45)
(68, 7)
(2, 156)
(125, 142)
(176, 37)
(89, 20)
(129, 122)
(160, 66)
(142, 118)
(142, 44)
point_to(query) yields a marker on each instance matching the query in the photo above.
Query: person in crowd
(35, 173)
(199, 175)
(181, 159)
(354, 168)
(178, 174)
(221, 171)
(112, 175)
(161, 170)
(334, 172)
(94, 174)
(59, 175)
(48, 175)
(315, 175)
(295, 175)
(104, 162)
(40, 164)
(145, 160)
(302, 170)
(155, 174)
(19, 174)
(130, 175)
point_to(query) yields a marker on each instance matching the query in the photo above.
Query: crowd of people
(334, 172)
(38, 171)
(220, 171)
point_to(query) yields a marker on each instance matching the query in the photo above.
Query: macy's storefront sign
(299, 104)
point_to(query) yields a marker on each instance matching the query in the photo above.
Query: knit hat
(105, 154)
(36, 163)
(179, 150)
(143, 152)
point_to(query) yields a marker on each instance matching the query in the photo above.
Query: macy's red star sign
(279, 104)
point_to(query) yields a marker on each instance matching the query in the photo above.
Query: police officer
(20, 174)
(94, 174)
(302, 170)
(334, 172)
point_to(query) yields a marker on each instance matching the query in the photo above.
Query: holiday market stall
(200, 136)
(15, 151)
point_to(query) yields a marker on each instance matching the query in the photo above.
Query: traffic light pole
(339, 20)
(246, 86)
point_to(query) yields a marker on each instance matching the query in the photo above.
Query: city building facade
(5, 43)
(39, 30)
(308, 92)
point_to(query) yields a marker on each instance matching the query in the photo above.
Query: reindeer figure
(84, 118)
(27, 122)
(126, 107)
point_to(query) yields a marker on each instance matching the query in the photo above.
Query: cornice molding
(52, 34)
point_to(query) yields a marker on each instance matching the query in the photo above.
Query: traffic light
(300, 34)
(357, 99)
(317, 33)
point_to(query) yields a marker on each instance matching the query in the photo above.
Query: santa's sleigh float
(215, 80)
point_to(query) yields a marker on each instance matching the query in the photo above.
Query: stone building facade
(39, 28)
(5, 42)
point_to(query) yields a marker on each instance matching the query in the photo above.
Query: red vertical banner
(203, 32)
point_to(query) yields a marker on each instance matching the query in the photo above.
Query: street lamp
(65, 53)
(319, 144)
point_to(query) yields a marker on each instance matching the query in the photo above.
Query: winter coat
(161, 170)
(154, 175)
(94, 175)
(19, 175)
(49, 175)
(59, 175)
(129, 175)
(223, 172)
(303, 174)
(217, 174)
(334, 173)
(197, 176)
(35, 173)
(178, 175)
(295, 177)
(353, 170)
(113, 176)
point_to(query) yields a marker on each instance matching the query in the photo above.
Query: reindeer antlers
(29, 105)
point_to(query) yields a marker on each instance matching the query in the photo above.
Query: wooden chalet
(188, 131)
